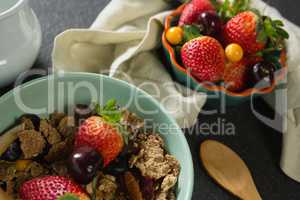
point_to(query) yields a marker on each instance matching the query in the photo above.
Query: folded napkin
(122, 42)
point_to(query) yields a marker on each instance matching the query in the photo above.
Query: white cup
(20, 39)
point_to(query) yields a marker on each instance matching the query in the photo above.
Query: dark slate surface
(257, 144)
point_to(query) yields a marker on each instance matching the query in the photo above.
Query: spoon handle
(253, 197)
(251, 193)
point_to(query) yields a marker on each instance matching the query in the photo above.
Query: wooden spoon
(228, 170)
(4, 195)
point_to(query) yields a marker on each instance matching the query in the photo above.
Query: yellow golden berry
(174, 35)
(234, 52)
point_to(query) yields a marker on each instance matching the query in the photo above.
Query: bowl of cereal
(87, 136)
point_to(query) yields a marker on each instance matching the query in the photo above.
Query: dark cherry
(84, 163)
(263, 74)
(82, 112)
(13, 152)
(211, 23)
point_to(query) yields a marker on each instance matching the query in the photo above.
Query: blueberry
(13, 152)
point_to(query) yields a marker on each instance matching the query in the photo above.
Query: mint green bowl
(48, 94)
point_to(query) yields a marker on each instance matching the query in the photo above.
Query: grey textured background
(257, 144)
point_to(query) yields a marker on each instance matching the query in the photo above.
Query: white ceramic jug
(20, 39)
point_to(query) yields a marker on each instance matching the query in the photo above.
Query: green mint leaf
(68, 197)
(191, 32)
(110, 104)
(110, 111)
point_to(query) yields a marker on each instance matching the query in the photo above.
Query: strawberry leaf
(216, 3)
(109, 112)
(68, 196)
(191, 32)
(239, 6)
(262, 35)
(274, 33)
(281, 32)
(273, 57)
(278, 23)
(229, 9)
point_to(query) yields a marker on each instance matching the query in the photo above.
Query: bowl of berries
(226, 49)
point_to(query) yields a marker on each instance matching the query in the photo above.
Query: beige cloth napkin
(124, 37)
(122, 43)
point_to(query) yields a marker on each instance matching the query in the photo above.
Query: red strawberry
(99, 134)
(51, 188)
(192, 11)
(205, 57)
(242, 29)
(236, 75)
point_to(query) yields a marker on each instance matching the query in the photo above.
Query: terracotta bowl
(183, 75)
